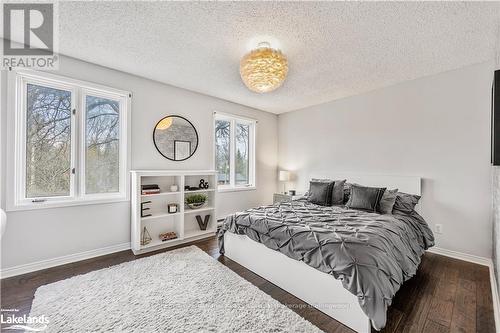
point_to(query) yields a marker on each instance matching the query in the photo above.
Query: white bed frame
(316, 288)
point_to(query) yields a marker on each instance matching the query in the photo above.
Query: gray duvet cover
(371, 254)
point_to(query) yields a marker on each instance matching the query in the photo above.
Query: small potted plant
(195, 201)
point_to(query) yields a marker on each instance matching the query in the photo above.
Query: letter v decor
(203, 224)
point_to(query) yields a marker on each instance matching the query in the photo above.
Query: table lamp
(284, 176)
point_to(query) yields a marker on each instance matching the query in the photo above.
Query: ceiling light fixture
(263, 69)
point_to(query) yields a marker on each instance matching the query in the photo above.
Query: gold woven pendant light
(263, 69)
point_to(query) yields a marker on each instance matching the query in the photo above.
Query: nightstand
(280, 197)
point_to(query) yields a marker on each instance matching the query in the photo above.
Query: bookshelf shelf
(183, 222)
(195, 233)
(158, 216)
(158, 242)
(161, 194)
(199, 210)
(201, 191)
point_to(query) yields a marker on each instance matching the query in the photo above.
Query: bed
(347, 263)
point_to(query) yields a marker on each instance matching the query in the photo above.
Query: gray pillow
(347, 192)
(405, 202)
(337, 190)
(365, 198)
(387, 201)
(320, 193)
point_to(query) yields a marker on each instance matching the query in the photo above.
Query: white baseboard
(462, 256)
(481, 261)
(494, 296)
(43, 264)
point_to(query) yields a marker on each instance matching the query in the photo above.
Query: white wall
(437, 127)
(43, 234)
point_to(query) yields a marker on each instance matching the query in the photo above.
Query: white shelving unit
(184, 222)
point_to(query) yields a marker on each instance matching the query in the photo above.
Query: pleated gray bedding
(371, 254)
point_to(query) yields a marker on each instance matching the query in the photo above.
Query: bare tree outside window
(102, 145)
(242, 152)
(48, 142)
(234, 152)
(222, 151)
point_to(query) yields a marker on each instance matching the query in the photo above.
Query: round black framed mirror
(175, 138)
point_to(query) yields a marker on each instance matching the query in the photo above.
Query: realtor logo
(29, 35)
(11, 320)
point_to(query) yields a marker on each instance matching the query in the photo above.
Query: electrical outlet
(439, 228)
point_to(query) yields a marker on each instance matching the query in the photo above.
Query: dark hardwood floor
(446, 295)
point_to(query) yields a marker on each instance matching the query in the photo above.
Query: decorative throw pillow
(347, 192)
(337, 190)
(365, 198)
(387, 201)
(405, 202)
(320, 193)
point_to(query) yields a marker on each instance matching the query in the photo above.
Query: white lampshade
(284, 176)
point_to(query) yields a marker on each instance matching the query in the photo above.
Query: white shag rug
(184, 290)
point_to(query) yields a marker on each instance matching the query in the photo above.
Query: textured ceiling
(335, 49)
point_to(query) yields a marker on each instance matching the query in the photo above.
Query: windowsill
(62, 204)
(236, 189)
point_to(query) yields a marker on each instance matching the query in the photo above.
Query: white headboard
(407, 184)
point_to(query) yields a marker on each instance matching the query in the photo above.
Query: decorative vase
(174, 188)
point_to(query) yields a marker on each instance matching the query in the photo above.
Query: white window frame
(16, 120)
(234, 119)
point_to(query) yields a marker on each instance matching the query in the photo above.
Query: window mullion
(232, 147)
(21, 140)
(74, 144)
(251, 154)
(80, 169)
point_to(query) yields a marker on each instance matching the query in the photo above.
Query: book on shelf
(150, 191)
(167, 236)
(150, 187)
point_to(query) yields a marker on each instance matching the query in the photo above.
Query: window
(102, 148)
(70, 141)
(234, 152)
(48, 141)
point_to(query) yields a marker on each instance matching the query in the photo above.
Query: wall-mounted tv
(495, 120)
